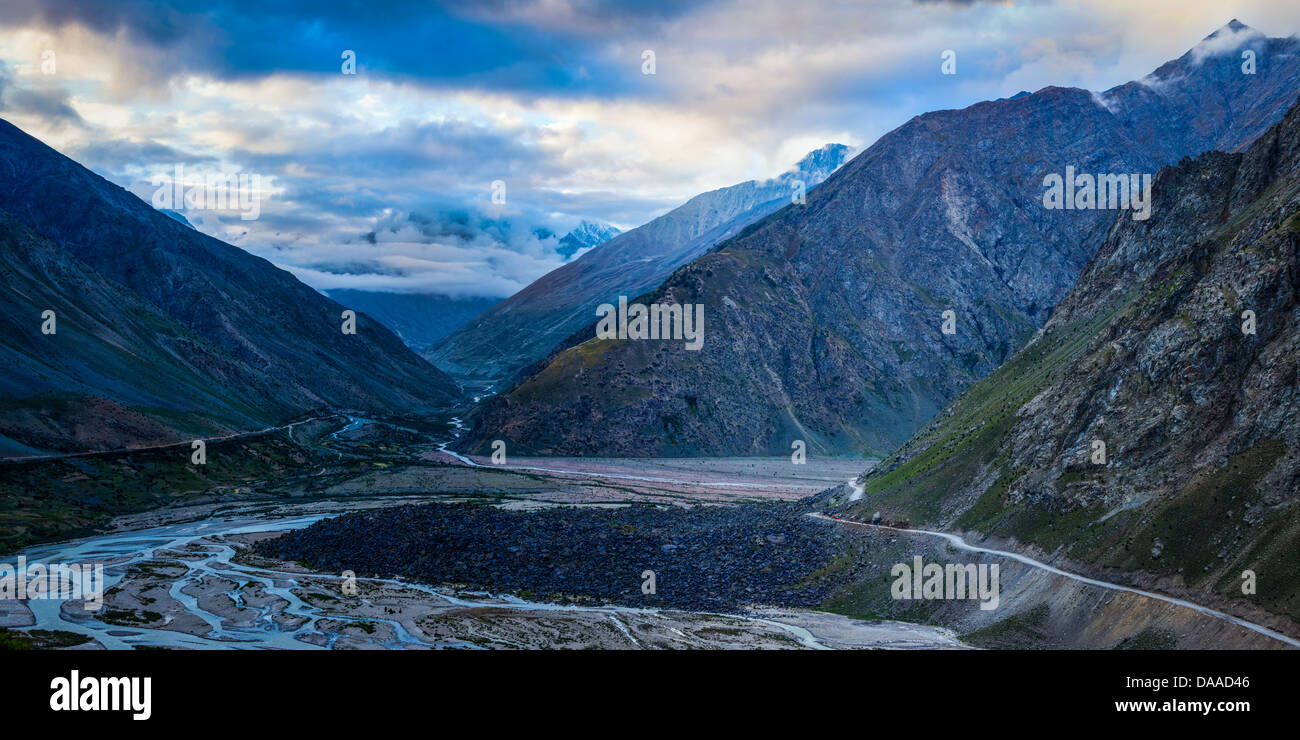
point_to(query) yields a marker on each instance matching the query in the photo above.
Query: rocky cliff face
(161, 329)
(825, 321)
(524, 328)
(1153, 426)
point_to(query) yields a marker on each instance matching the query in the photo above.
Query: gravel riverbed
(704, 558)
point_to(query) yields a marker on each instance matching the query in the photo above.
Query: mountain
(162, 331)
(56, 389)
(418, 319)
(586, 234)
(1153, 355)
(176, 216)
(825, 321)
(522, 329)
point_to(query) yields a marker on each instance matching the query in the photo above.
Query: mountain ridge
(266, 346)
(1151, 430)
(525, 327)
(848, 290)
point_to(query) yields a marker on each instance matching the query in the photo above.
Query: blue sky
(382, 180)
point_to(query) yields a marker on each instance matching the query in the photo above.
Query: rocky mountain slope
(57, 388)
(162, 331)
(1154, 356)
(525, 327)
(825, 321)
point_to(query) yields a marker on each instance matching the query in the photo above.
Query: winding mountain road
(167, 445)
(961, 544)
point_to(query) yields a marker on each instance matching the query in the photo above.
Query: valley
(207, 570)
(183, 576)
(196, 586)
(1019, 374)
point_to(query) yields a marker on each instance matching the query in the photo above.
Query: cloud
(50, 104)
(125, 154)
(509, 45)
(385, 177)
(47, 102)
(962, 3)
(424, 253)
(1227, 39)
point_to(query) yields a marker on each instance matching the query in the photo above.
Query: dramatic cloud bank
(385, 179)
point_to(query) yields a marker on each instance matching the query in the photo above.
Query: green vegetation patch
(970, 435)
(1151, 638)
(1019, 631)
(39, 639)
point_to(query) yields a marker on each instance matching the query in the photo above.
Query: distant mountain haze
(825, 321)
(525, 327)
(419, 319)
